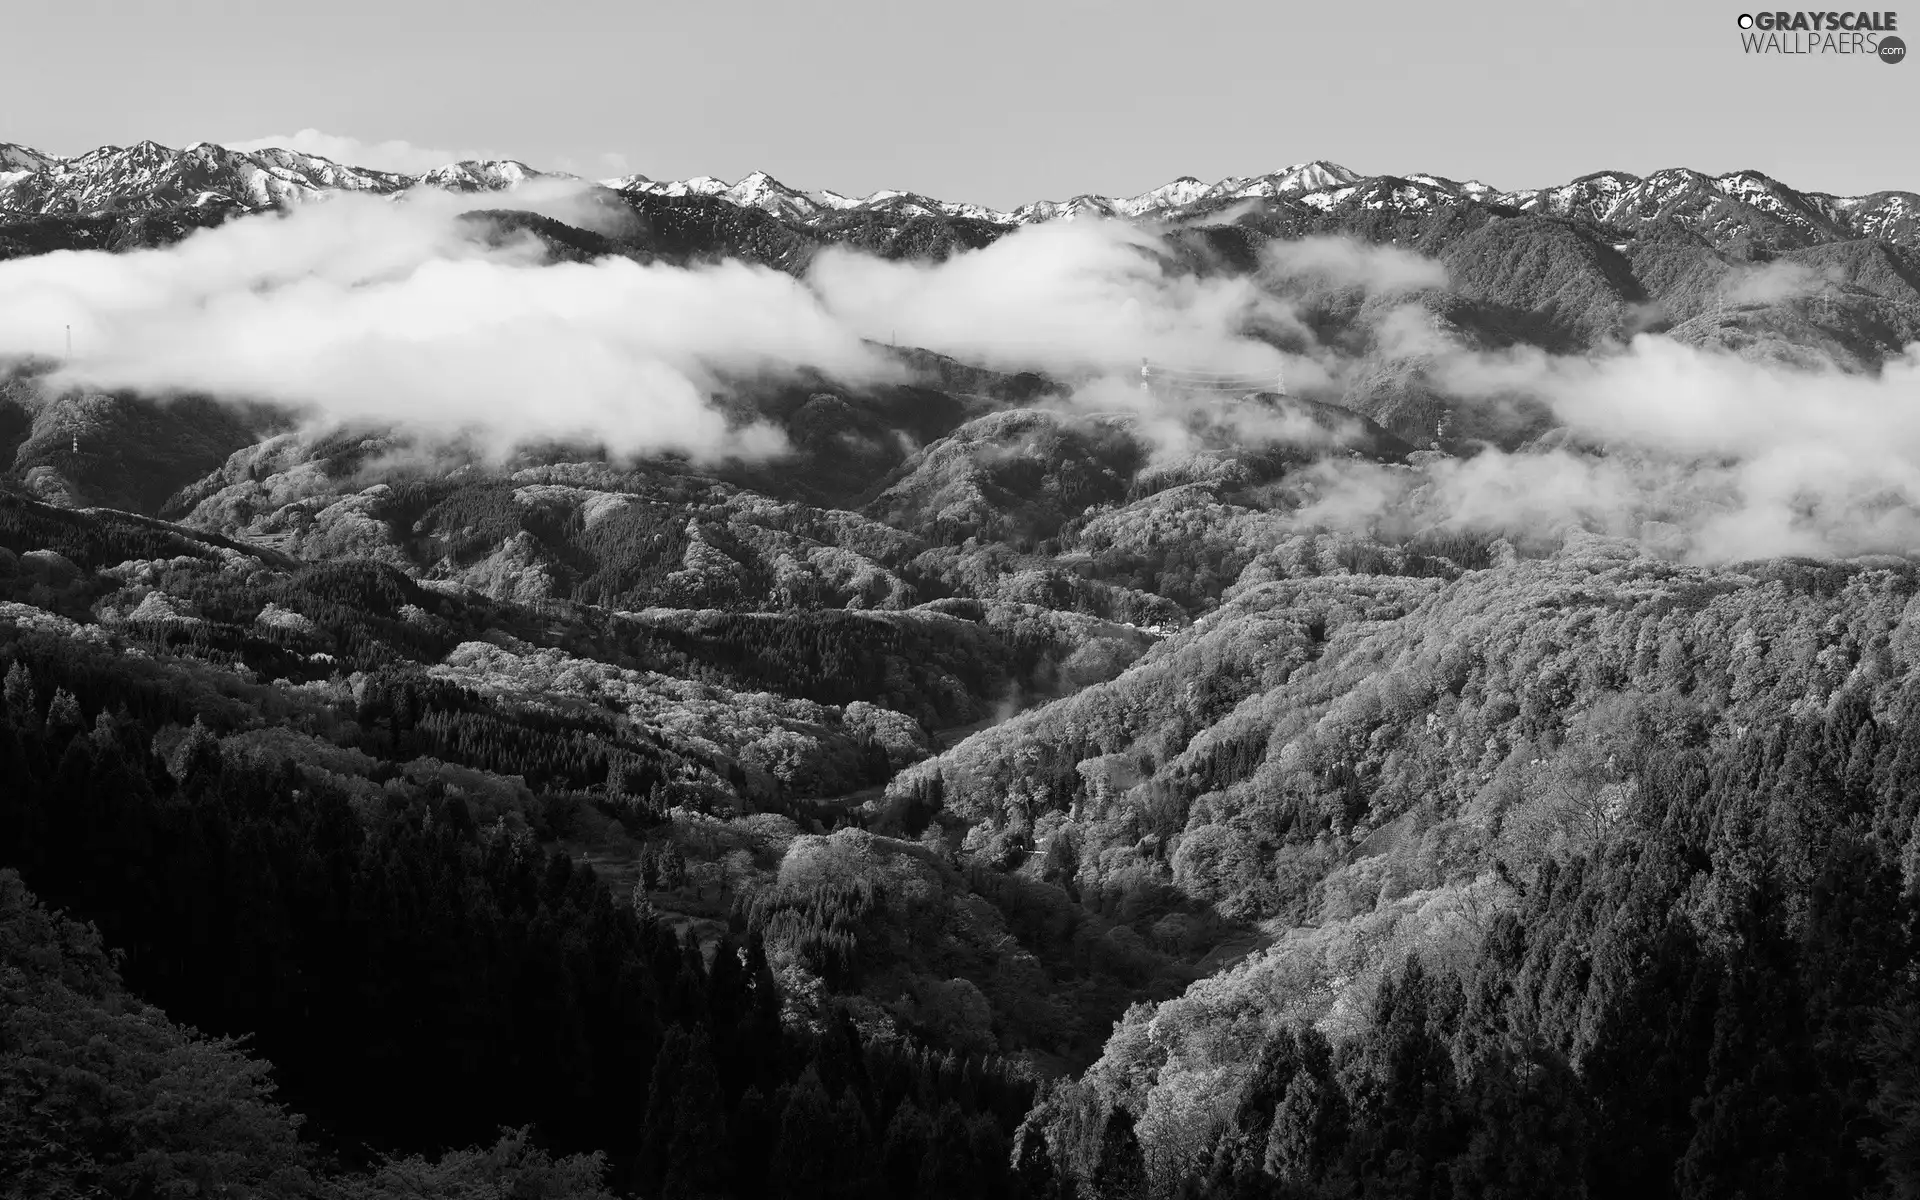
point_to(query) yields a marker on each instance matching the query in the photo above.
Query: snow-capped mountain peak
(149, 177)
(1182, 191)
(834, 200)
(755, 190)
(20, 158)
(761, 190)
(489, 176)
(1312, 177)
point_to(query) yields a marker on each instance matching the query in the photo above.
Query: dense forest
(1583, 875)
(1433, 784)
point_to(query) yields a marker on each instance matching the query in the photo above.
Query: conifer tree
(1309, 1124)
(949, 1171)
(751, 1129)
(63, 712)
(663, 1103)
(904, 1149)
(803, 1158)
(1033, 1172)
(856, 1165)
(23, 708)
(1120, 1170)
(694, 1157)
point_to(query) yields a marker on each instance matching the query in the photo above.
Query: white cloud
(375, 312)
(389, 313)
(1343, 262)
(1771, 283)
(1069, 297)
(1746, 459)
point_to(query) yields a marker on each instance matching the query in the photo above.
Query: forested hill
(1485, 765)
(1587, 874)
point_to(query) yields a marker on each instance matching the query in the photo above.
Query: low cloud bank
(1072, 298)
(392, 313)
(369, 311)
(1344, 262)
(1715, 457)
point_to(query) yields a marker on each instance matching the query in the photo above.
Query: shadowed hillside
(691, 689)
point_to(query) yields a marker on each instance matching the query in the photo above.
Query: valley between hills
(694, 690)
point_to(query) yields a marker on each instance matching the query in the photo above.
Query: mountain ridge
(1491, 768)
(149, 176)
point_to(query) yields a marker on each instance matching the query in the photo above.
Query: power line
(1184, 373)
(1154, 374)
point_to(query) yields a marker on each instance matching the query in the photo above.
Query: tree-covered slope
(1472, 752)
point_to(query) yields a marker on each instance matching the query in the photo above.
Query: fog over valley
(1304, 685)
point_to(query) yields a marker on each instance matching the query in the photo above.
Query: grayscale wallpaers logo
(1867, 34)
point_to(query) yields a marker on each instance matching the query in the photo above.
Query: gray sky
(990, 101)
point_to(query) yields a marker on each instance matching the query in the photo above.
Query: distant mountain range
(1565, 269)
(1736, 211)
